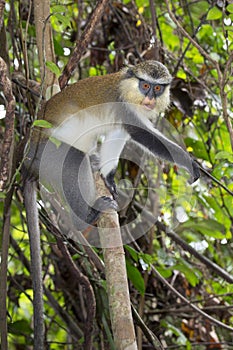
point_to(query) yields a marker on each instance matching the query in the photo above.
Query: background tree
(184, 263)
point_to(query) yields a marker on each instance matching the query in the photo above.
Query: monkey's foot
(110, 183)
(101, 205)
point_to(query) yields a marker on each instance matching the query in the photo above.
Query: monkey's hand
(110, 183)
(101, 205)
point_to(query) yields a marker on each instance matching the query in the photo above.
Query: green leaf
(181, 338)
(214, 14)
(42, 123)
(63, 19)
(59, 8)
(53, 68)
(20, 327)
(166, 272)
(133, 253)
(2, 195)
(188, 272)
(148, 259)
(140, 3)
(224, 155)
(199, 149)
(230, 8)
(135, 277)
(210, 227)
(58, 47)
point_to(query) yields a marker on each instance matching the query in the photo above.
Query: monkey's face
(151, 95)
(147, 84)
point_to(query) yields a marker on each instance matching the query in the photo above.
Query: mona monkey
(83, 112)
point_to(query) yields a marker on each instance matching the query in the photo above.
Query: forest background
(189, 249)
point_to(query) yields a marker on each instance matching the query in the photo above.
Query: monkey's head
(146, 84)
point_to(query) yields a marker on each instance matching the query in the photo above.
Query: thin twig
(83, 280)
(82, 43)
(194, 307)
(186, 34)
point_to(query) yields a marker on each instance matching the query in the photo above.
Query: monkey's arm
(156, 143)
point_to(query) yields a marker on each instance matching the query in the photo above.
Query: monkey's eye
(157, 88)
(145, 86)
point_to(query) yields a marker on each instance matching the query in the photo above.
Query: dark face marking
(151, 90)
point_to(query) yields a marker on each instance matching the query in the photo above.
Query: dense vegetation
(188, 251)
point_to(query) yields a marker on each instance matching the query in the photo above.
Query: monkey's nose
(149, 103)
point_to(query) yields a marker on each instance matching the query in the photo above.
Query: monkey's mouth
(149, 107)
(149, 104)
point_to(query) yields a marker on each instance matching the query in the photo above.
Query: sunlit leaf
(165, 272)
(198, 147)
(53, 68)
(42, 123)
(214, 13)
(209, 227)
(63, 19)
(58, 8)
(229, 8)
(224, 155)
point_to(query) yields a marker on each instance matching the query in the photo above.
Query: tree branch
(8, 142)
(3, 271)
(116, 276)
(30, 192)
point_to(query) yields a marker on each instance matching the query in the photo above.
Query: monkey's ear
(129, 73)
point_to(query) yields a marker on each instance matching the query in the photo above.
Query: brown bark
(8, 141)
(116, 277)
(45, 46)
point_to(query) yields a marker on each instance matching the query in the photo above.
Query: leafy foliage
(202, 215)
